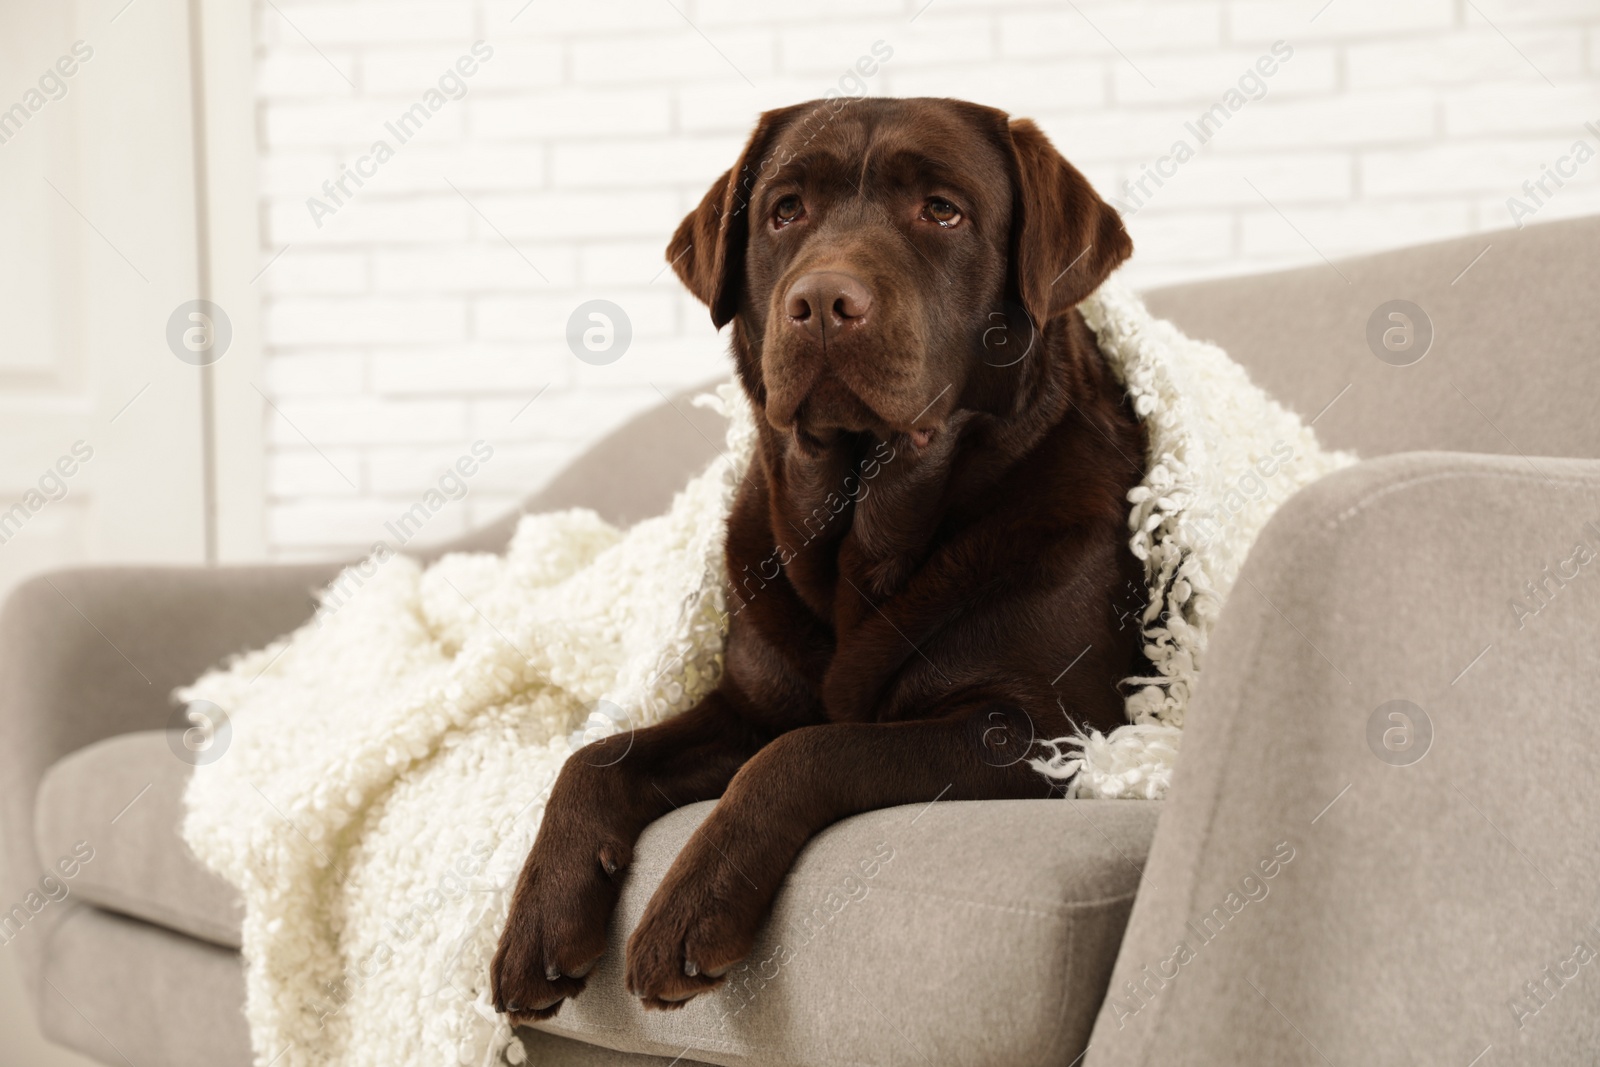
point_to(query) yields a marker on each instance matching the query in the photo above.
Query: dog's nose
(825, 302)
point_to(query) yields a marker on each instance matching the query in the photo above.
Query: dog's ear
(707, 251)
(1065, 240)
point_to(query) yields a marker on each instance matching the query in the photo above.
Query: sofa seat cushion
(110, 814)
(972, 933)
(125, 992)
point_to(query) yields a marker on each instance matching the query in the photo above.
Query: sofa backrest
(1514, 364)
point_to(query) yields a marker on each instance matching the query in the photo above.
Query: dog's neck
(866, 509)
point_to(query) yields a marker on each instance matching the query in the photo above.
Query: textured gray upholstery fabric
(1425, 899)
(548, 1050)
(971, 933)
(123, 799)
(125, 991)
(1512, 367)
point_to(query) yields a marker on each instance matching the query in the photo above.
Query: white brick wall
(428, 310)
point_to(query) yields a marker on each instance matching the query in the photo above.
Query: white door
(112, 448)
(107, 437)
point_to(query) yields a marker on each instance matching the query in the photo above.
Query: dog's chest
(869, 599)
(856, 538)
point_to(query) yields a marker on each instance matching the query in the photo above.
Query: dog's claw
(555, 932)
(691, 968)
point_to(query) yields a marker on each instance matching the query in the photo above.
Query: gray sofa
(1325, 883)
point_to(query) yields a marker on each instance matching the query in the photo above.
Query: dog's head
(888, 261)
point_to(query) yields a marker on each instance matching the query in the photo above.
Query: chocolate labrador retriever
(926, 552)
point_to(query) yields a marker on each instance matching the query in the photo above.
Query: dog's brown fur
(931, 532)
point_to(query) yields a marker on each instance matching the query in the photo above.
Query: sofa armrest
(89, 653)
(1336, 878)
(978, 933)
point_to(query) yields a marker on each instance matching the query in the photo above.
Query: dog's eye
(941, 211)
(787, 210)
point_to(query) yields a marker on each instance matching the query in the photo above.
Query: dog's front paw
(699, 924)
(556, 931)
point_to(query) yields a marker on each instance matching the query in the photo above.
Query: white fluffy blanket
(390, 759)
